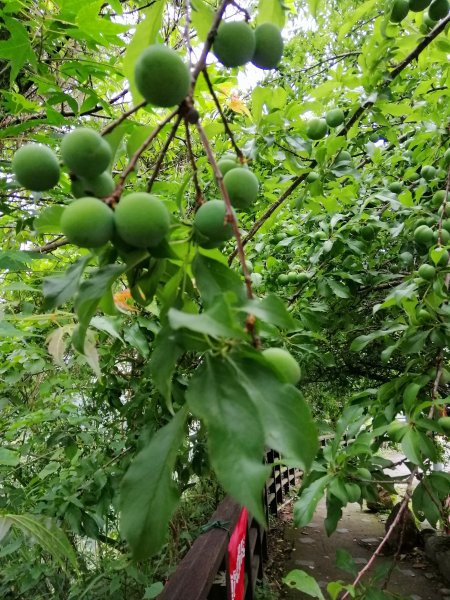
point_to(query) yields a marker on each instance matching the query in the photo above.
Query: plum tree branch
(57, 243)
(163, 152)
(389, 532)
(230, 217)
(115, 196)
(223, 117)
(198, 192)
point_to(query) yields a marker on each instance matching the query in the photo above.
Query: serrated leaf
(148, 494)
(17, 49)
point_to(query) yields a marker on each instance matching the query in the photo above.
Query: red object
(236, 557)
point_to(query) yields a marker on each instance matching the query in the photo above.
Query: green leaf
(270, 310)
(48, 220)
(58, 290)
(271, 11)
(339, 289)
(309, 498)
(301, 581)
(50, 537)
(135, 336)
(17, 49)
(9, 458)
(284, 414)
(235, 432)
(89, 295)
(314, 7)
(144, 36)
(334, 514)
(154, 590)
(202, 18)
(216, 322)
(346, 562)
(213, 279)
(148, 494)
(167, 351)
(411, 446)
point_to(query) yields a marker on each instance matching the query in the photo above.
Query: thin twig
(388, 533)
(163, 152)
(208, 43)
(187, 27)
(122, 117)
(223, 117)
(230, 217)
(198, 191)
(57, 243)
(272, 208)
(115, 196)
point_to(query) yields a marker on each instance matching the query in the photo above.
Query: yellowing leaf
(237, 106)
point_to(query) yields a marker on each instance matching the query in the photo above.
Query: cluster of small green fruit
(317, 128)
(437, 10)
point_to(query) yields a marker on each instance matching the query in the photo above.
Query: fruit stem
(230, 217)
(198, 191)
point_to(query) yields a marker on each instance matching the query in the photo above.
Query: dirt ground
(359, 532)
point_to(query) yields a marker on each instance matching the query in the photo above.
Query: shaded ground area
(359, 532)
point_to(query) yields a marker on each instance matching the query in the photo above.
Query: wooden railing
(203, 572)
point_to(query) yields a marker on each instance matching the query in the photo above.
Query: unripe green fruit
(406, 258)
(229, 156)
(88, 223)
(284, 364)
(428, 172)
(234, 44)
(367, 233)
(226, 165)
(443, 260)
(423, 316)
(446, 225)
(292, 277)
(316, 129)
(343, 157)
(209, 221)
(423, 235)
(85, 152)
(161, 76)
(268, 46)
(418, 5)
(142, 220)
(100, 187)
(428, 21)
(414, 176)
(302, 277)
(447, 157)
(242, 186)
(283, 278)
(395, 187)
(438, 9)
(427, 272)
(444, 422)
(312, 177)
(438, 198)
(400, 9)
(444, 235)
(36, 167)
(335, 117)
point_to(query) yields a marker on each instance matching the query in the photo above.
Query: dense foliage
(133, 386)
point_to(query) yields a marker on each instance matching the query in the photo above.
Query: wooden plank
(196, 572)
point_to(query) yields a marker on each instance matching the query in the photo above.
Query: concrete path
(358, 533)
